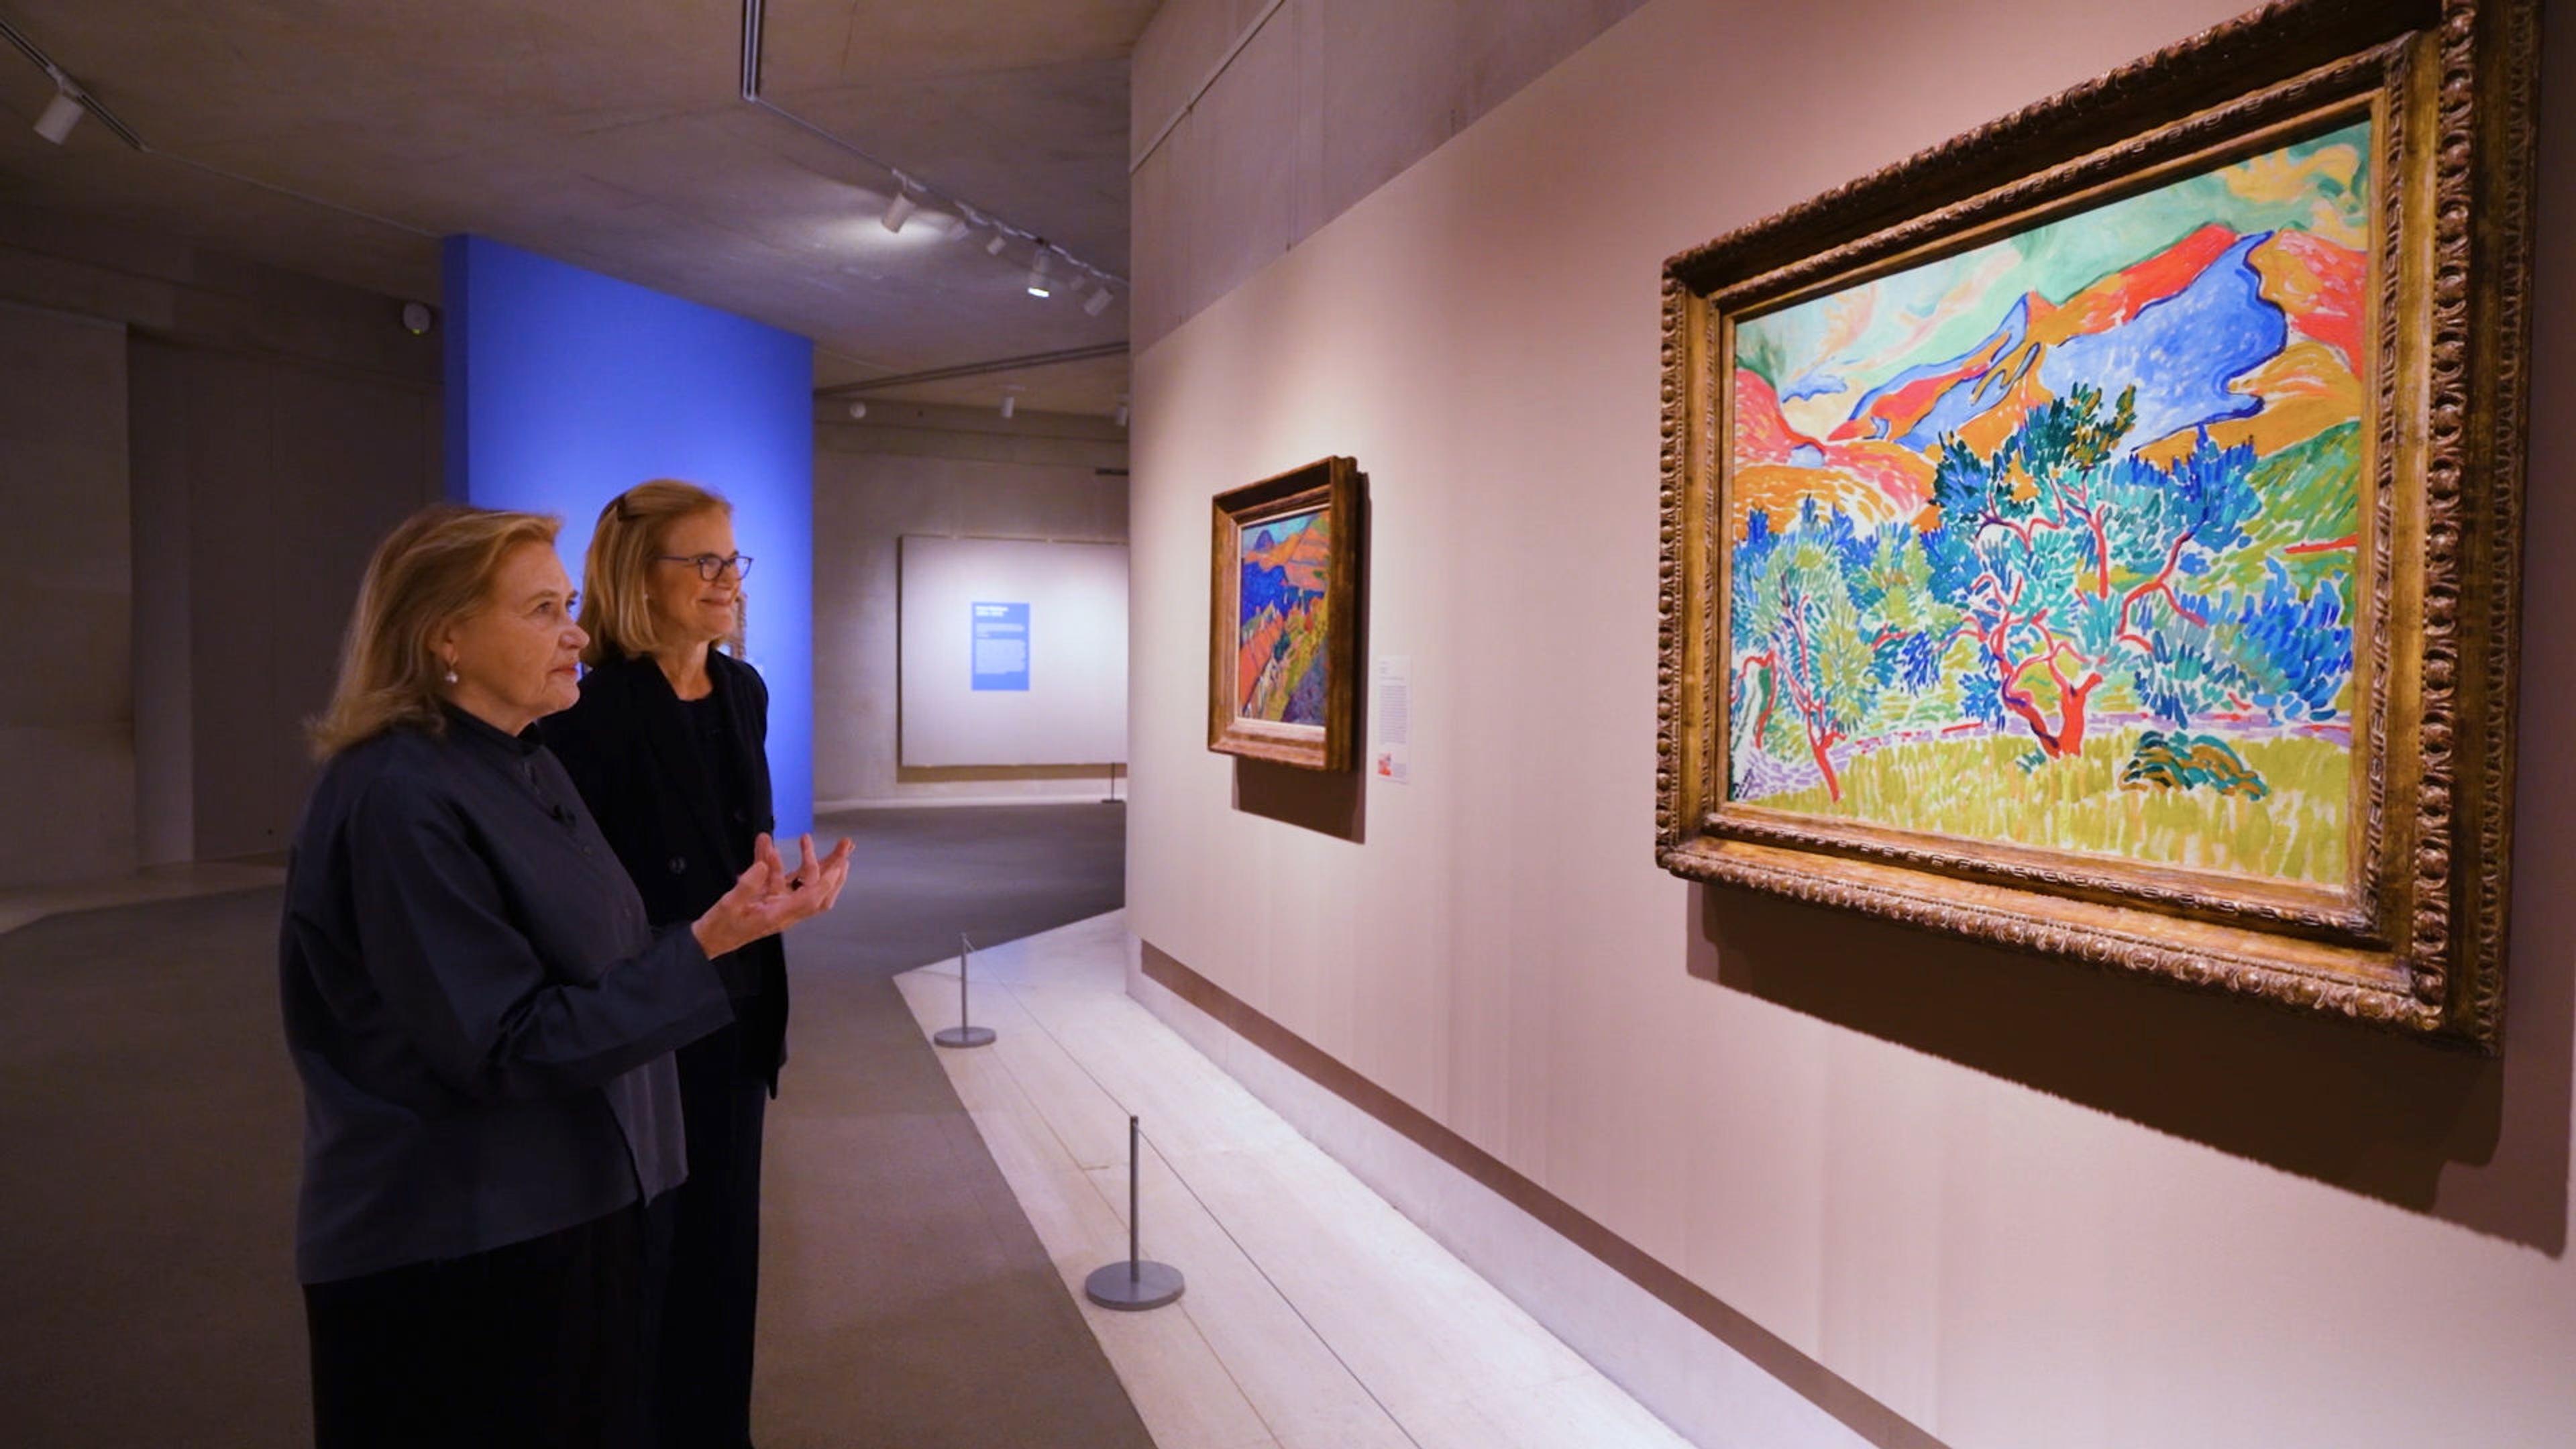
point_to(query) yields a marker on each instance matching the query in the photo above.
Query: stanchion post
(1135, 1285)
(963, 1034)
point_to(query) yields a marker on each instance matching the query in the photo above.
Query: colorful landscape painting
(1280, 611)
(2054, 542)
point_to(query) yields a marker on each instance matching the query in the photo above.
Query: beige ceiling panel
(1093, 387)
(822, 44)
(1043, 148)
(106, 180)
(609, 133)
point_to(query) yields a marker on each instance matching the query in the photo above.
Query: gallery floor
(929, 1213)
(1315, 1316)
(150, 1124)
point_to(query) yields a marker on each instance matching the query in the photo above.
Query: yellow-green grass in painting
(1977, 790)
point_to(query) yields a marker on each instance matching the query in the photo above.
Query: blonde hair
(616, 582)
(436, 567)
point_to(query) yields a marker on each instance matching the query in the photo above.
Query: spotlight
(61, 114)
(1122, 412)
(1000, 239)
(858, 410)
(1099, 301)
(900, 210)
(1038, 284)
(1010, 401)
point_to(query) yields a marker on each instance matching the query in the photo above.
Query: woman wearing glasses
(484, 1020)
(667, 748)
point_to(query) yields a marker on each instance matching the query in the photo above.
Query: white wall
(1069, 646)
(931, 469)
(2022, 1204)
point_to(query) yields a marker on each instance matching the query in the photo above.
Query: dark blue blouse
(482, 1017)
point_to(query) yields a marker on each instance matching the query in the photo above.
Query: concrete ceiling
(612, 134)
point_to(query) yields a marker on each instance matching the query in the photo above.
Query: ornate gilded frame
(2416, 943)
(1335, 485)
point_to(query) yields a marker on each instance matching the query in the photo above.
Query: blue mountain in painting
(2182, 352)
(1268, 588)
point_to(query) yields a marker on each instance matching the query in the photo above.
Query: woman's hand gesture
(772, 895)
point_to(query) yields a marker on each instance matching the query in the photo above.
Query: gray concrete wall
(1314, 104)
(198, 453)
(919, 469)
(66, 699)
(286, 474)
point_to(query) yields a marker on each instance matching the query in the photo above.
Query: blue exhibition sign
(1001, 646)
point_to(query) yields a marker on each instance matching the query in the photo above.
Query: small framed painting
(1283, 638)
(2099, 534)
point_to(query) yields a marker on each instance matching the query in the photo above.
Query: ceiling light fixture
(1099, 300)
(858, 410)
(1122, 409)
(912, 195)
(61, 113)
(1010, 400)
(900, 210)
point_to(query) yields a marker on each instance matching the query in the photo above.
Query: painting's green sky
(1838, 347)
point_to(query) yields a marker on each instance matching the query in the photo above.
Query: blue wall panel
(565, 387)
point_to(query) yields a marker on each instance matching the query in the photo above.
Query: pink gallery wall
(2021, 1204)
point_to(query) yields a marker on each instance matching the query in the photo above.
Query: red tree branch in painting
(2035, 543)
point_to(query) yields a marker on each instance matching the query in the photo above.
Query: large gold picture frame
(2044, 642)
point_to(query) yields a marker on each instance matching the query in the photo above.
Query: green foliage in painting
(2055, 541)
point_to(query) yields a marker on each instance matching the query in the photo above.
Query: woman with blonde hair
(483, 1018)
(668, 744)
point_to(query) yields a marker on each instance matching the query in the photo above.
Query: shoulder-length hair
(437, 567)
(617, 574)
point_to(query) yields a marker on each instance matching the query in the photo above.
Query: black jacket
(482, 1017)
(627, 747)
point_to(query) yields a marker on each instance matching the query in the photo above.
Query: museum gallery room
(1513, 725)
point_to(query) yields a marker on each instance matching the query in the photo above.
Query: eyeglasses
(709, 565)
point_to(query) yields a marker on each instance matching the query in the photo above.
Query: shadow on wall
(1333, 803)
(1329, 802)
(2482, 1143)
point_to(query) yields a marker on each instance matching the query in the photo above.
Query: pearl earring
(451, 674)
